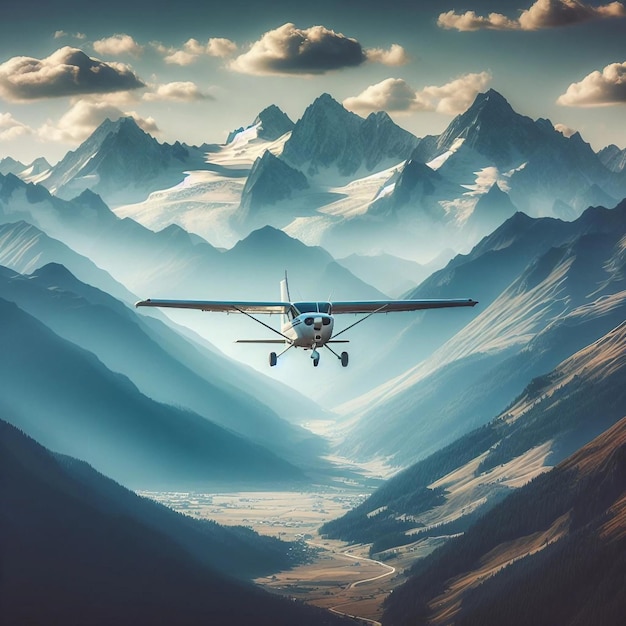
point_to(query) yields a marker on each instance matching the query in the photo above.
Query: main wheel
(344, 359)
(273, 359)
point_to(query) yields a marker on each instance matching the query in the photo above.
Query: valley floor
(341, 578)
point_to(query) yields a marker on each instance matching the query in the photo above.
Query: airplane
(307, 325)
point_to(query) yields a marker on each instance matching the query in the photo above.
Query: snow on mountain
(120, 161)
(539, 164)
(270, 124)
(331, 142)
(35, 170)
(371, 186)
(206, 201)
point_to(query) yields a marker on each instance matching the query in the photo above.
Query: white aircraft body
(307, 325)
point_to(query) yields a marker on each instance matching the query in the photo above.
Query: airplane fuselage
(309, 330)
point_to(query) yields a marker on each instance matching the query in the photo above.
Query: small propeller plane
(307, 325)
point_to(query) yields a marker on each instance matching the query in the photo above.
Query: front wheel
(316, 362)
(344, 359)
(273, 359)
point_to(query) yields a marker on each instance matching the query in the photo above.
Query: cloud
(566, 131)
(288, 50)
(220, 47)
(394, 95)
(11, 129)
(178, 91)
(394, 57)
(470, 21)
(598, 88)
(60, 34)
(181, 57)
(66, 72)
(542, 14)
(118, 44)
(192, 50)
(84, 117)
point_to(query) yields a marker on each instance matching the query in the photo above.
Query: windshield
(312, 307)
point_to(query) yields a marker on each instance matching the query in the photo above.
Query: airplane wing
(223, 306)
(389, 306)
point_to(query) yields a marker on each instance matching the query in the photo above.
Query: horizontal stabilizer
(261, 341)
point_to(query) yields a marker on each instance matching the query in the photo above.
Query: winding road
(390, 571)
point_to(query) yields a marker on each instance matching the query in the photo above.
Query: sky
(193, 71)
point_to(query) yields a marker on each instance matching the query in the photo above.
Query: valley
(459, 461)
(339, 577)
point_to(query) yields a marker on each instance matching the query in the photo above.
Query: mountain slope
(23, 248)
(551, 553)
(125, 343)
(270, 181)
(557, 414)
(529, 320)
(72, 554)
(67, 399)
(120, 161)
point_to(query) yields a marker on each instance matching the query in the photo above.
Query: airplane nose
(317, 323)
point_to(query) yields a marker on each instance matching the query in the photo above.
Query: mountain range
(76, 547)
(501, 427)
(546, 289)
(356, 185)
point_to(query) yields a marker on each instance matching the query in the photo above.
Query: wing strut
(359, 321)
(287, 339)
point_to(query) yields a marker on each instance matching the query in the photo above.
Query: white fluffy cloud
(395, 95)
(288, 50)
(598, 88)
(566, 131)
(220, 47)
(193, 50)
(542, 14)
(181, 91)
(66, 72)
(60, 34)
(394, 57)
(84, 117)
(11, 129)
(118, 44)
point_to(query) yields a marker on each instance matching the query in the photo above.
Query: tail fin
(285, 297)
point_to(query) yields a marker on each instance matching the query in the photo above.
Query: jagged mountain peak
(492, 128)
(270, 181)
(329, 136)
(273, 123)
(325, 109)
(8, 165)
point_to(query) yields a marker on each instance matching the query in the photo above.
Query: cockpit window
(312, 307)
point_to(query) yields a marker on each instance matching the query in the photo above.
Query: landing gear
(344, 359)
(315, 355)
(273, 359)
